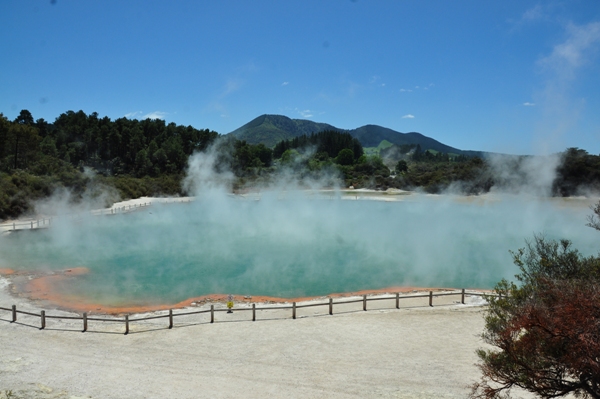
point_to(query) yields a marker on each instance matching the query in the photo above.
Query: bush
(546, 331)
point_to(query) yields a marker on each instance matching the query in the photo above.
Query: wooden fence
(171, 315)
(33, 224)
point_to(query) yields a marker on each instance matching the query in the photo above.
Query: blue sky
(507, 76)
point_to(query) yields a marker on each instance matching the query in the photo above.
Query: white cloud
(559, 107)
(533, 14)
(231, 86)
(574, 52)
(307, 113)
(405, 90)
(133, 115)
(285, 83)
(352, 89)
(408, 116)
(528, 104)
(155, 115)
(375, 79)
(152, 115)
(219, 103)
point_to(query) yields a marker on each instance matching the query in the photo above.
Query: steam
(560, 110)
(288, 241)
(95, 195)
(531, 175)
(204, 174)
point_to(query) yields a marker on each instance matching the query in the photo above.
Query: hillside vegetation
(96, 158)
(271, 129)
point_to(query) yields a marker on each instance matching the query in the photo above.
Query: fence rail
(294, 306)
(43, 223)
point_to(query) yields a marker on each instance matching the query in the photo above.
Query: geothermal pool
(294, 247)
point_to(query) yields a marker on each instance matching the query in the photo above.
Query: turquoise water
(294, 247)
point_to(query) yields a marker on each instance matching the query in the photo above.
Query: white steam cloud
(95, 195)
(289, 241)
(560, 110)
(202, 175)
(531, 176)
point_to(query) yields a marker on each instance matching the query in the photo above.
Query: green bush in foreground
(546, 330)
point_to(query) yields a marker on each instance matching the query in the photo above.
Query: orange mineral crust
(44, 288)
(6, 272)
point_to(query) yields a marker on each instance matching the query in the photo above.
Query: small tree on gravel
(546, 330)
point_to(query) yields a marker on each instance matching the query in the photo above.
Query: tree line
(328, 142)
(123, 146)
(149, 157)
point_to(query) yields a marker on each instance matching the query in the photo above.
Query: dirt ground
(413, 352)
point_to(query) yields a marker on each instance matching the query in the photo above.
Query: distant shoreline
(390, 195)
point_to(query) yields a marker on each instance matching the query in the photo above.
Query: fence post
(170, 318)
(430, 298)
(14, 227)
(212, 313)
(32, 224)
(38, 223)
(126, 324)
(14, 313)
(253, 312)
(84, 321)
(293, 310)
(397, 300)
(364, 302)
(330, 306)
(462, 296)
(43, 316)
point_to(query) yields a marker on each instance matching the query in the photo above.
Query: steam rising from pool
(295, 246)
(292, 243)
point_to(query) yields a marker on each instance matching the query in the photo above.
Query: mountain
(271, 129)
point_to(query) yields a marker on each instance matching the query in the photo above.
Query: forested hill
(372, 135)
(85, 154)
(123, 146)
(271, 129)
